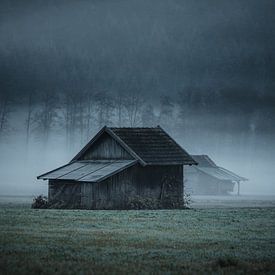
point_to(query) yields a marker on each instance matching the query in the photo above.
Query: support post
(238, 188)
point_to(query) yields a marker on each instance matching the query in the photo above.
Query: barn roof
(150, 146)
(208, 166)
(221, 173)
(153, 145)
(204, 161)
(88, 171)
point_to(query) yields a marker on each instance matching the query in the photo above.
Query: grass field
(220, 240)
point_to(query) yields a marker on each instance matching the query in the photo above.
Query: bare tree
(70, 110)
(5, 110)
(133, 103)
(89, 100)
(45, 118)
(148, 116)
(119, 106)
(104, 107)
(166, 110)
(29, 117)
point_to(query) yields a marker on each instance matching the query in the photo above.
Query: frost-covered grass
(168, 241)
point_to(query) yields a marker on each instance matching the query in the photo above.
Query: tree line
(77, 115)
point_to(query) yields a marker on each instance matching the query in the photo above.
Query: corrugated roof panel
(219, 173)
(90, 167)
(88, 171)
(59, 172)
(233, 174)
(107, 170)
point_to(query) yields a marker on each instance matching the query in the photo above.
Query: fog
(202, 70)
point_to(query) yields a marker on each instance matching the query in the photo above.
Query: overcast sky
(167, 45)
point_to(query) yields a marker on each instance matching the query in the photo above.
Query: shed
(122, 168)
(209, 179)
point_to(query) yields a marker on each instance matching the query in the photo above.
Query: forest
(76, 114)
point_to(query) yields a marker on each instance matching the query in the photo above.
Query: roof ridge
(134, 127)
(126, 147)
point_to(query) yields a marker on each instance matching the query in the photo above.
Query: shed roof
(208, 166)
(204, 161)
(150, 146)
(220, 173)
(88, 171)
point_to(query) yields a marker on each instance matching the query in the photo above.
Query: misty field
(169, 241)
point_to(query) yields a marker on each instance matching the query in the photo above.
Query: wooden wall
(162, 183)
(65, 193)
(106, 148)
(198, 183)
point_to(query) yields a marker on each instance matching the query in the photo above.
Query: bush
(139, 202)
(187, 200)
(40, 202)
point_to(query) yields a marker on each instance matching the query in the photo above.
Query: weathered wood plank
(106, 148)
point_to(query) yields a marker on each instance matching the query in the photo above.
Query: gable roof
(208, 166)
(150, 146)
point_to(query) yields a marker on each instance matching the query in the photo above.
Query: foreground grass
(169, 241)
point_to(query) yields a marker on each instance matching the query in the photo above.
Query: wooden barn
(207, 178)
(122, 168)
